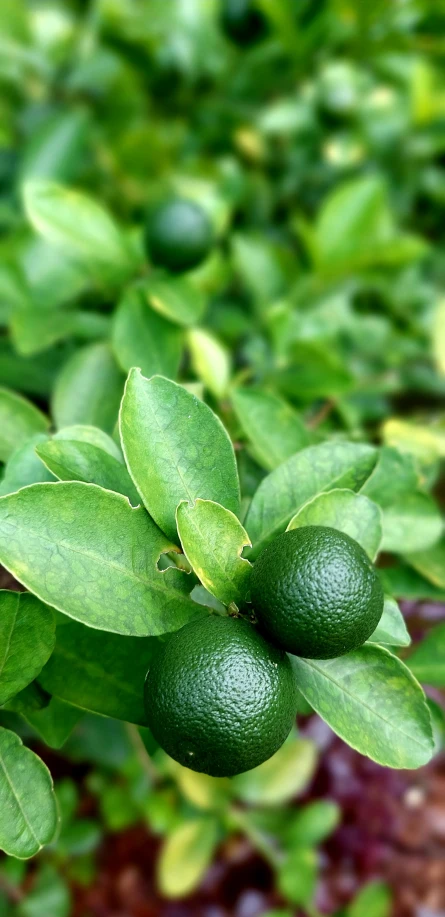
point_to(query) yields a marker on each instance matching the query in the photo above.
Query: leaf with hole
(88, 553)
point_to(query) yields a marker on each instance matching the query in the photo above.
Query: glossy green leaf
(175, 448)
(315, 371)
(88, 553)
(19, 420)
(371, 700)
(312, 471)
(413, 523)
(213, 540)
(374, 900)
(83, 433)
(35, 331)
(437, 714)
(355, 229)
(186, 856)
(55, 722)
(89, 389)
(27, 801)
(427, 661)
(346, 511)
(410, 519)
(391, 629)
(174, 297)
(100, 672)
(69, 460)
(210, 361)
(24, 467)
(55, 149)
(285, 775)
(78, 224)
(204, 792)
(50, 894)
(313, 823)
(439, 336)
(273, 428)
(27, 638)
(143, 338)
(297, 876)
(430, 563)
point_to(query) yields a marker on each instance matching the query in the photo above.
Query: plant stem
(142, 753)
(256, 837)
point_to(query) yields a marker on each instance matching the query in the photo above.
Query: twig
(322, 414)
(142, 753)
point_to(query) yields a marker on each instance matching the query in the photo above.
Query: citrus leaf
(80, 461)
(176, 449)
(174, 297)
(143, 338)
(210, 361)
(391, 629)
(313, 823)
(374, 900)
(427, 661)
(100, 672)
(410, 519)
(346, 511)
(371, 700)
(186, 856)
(282, 777)
(76, 223)
(273, 427)
(89, 389)
(24, 467)
(213, 539)
(430, 563)
(439, 336)
(303, 476)
(89, 554)
(412, 523)
(297, 876)
(83, 433)
(19, 420)
(27, 801)
(204, 792)
(27, 638)
(55, 722)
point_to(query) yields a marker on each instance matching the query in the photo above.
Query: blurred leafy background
(313, 134)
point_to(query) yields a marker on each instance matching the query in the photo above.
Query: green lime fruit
(178, 235)
(316, 593)
(242, 21)
(220, 699)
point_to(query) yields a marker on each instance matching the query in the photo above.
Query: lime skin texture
(315, 593)
(219, 699)
(178, 235)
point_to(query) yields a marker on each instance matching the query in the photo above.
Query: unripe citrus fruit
(219, 698)
(316, 593)
(178, 235)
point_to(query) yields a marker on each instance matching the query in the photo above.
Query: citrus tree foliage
(158, 429)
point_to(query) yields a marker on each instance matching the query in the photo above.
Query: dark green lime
(219, 698)
(316, 593)
(178, 235)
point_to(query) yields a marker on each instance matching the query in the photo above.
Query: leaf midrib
(353, 697)
(154, 584)
(25, 819)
